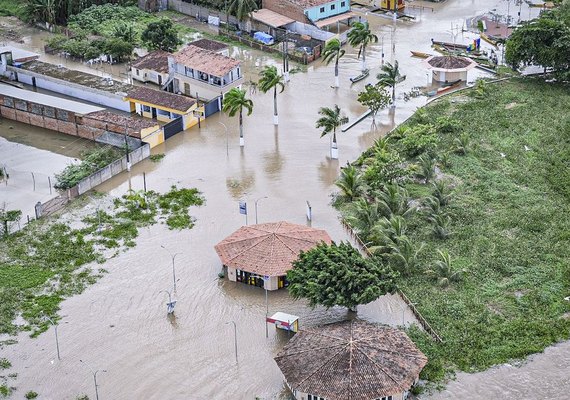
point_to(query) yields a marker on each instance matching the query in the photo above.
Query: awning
(271, 18)
(335, 19)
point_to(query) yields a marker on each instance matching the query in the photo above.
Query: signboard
(243, 207)
(213, 20)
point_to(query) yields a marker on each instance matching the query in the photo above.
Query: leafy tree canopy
(544, 41)
(338, 275)
(375, 97)
(161, 35)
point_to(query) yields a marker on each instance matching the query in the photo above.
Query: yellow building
(390, 4)
(177, 112)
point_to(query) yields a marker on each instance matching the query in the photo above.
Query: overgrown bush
(93, 161)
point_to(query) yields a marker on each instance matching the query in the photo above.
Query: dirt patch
(510, 106)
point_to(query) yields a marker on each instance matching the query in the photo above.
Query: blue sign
(243, 207)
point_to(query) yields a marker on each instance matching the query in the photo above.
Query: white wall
(77, 91)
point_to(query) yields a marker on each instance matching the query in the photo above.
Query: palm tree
(42, 11)
(390, 76)
(234, 102)
(333, 51)
(270, 79)
(443, 270)
(394, 200)
(404, 255)
(350, 183)
(361, 36)
(331, 119)
(386, 233)
(241, 8)
(363, 215)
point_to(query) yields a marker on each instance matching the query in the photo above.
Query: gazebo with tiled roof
(449, 68)
(268, 250)
(350, 360)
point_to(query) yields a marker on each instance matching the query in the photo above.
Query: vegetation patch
(93, 161)
(48, 261)
(468, 201)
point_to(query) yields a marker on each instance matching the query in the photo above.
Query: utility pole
(127, 147)
(56, 338)
(94, 378)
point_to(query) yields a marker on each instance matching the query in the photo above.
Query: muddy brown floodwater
(120, 324)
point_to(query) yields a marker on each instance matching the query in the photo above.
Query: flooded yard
(120, 324)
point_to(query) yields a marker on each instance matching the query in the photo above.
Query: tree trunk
(394, 95)
(334, 147)
(241, 139)
(336, 81)
(275, 115)
(363, 58)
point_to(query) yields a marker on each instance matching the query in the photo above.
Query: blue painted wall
(326, 10)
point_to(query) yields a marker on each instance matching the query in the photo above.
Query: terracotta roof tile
(154, 61)
(351, 360)
(205, 60)
(208, 44)
(162, 99)
(268, 249)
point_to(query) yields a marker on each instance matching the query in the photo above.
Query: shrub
(93, 160)
(31, 395)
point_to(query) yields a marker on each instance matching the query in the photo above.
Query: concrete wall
(271, 284)
(113, 169)
(106, 99)
(304, 396)
(199, 12)
(147, 75)
(442, 76)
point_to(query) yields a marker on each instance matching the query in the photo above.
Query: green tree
(350, 183)
(544, 41)
(234, 103)
(242, 8)
(161, 35)
(119, 49)
(360, 36)
(375, 97)
(271, 79)
(404, 256)
(125, 31)
(338, 275)
(362, 215)
(7, 218)
(331, 119)
(42, 11)
(333, 51)
(443, 270)
(391, 76)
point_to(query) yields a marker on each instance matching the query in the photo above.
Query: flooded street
(120, 324)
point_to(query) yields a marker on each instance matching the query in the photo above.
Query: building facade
(151, 68)
(307, 11)
(203, 74)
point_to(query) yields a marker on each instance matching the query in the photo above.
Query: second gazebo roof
(268, 249)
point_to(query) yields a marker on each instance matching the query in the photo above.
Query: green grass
(510, 229)
(46, 262)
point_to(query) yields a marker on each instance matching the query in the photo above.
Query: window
(137, 72)
(332, 6)
(313, 397)
(145, 108)
(322, 10)
(343, 3)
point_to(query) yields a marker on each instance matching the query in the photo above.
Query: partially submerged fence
(366, 252)
(88, 183)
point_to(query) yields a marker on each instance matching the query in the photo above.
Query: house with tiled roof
(203, 74)
(212, 45)
(319, 13)
(261, 254)
(350, 360)
(151, 68)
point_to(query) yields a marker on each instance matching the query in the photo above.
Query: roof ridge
(377, 364)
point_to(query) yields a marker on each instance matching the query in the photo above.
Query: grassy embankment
(509, 224)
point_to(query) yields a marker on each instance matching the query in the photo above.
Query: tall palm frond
(390, 76)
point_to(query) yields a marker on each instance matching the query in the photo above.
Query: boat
(443, 89)
(488, 39)
(420, 54)
(486, 69)
(450, 45)
(360, 77)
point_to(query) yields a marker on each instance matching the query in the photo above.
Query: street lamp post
(94, 378)
(173, 270)
(235, 338)
(170, 305)
(227, 141)
(56, 338)
(261, 198)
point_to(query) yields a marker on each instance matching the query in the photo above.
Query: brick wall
(287, 8)
(58, 120)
